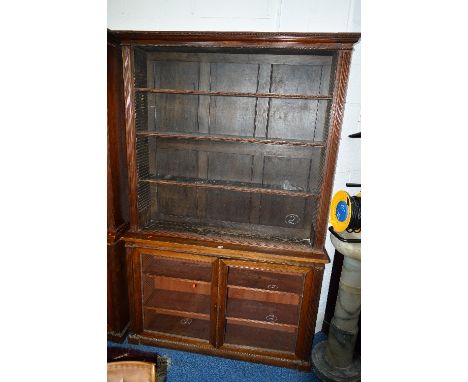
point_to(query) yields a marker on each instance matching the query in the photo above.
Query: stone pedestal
(333, 359)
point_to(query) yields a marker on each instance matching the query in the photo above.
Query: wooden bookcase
(231, 144)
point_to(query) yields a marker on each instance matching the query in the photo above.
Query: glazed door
(262, 306)
(176, 294)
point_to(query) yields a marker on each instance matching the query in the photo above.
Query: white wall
(267, 16)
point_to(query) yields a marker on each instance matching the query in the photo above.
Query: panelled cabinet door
(260, 305)
(178, 294)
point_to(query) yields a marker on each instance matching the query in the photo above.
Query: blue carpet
(192, 367)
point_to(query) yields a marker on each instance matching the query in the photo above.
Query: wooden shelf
(262, 324)
(179, 285)
(205, 233)
(227, 186)
(237, 292)
(264, 311)
(256, 337)
(178, 313)
(179, 303)
(228, 138)
(191, 327)
(234, 94)
(154, 266)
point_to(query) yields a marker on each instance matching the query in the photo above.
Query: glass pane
(176, 296)
(260, 337)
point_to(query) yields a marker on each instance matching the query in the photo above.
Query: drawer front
(267, 280)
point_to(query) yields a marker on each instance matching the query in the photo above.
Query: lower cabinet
(255, 311)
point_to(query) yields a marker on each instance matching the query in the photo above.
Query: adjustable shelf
(233, 94)
(262, 324)
(228, 186)
(179, 304)
(228, 138)
(209, 233)
(189, 327)
(262, 311)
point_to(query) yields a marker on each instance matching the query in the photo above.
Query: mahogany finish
(117, 198)
(231, 94)
(336, 120)
(262, 311)
(117, 299)
(213, 265)
(272, 281)
(260, 325)
(317, 41)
